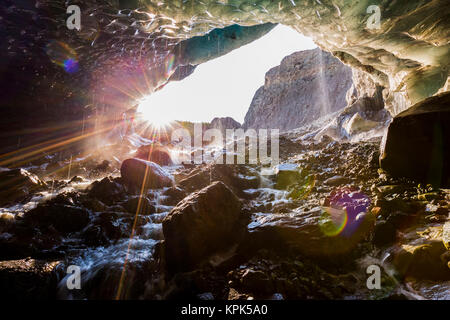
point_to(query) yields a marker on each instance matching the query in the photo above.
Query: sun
(158, 117)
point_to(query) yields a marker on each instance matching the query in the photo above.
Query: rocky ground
(215, 231)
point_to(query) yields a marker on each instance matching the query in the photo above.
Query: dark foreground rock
(134, 171)
(202, 224)
(108, 190)
(63, 218)
(417, 143)
(313, 234)
(17, 185)
(28, 279)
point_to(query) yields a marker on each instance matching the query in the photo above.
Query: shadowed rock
(417, 143)
(202, 224)
(17, 185)
(28, 279)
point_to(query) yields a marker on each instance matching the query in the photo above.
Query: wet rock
(107, 190)
(312, 233)
(143, 203)
(172, 196)
(446, 235)
(103, 228)
(155, 153)
(134, 171)
(28, 279)
(287, 174)
(423, 261)
(196, 181)
(18, 185)
(205, 296)
(63, 218)
(202, 224)
(417, 143)
(256, 281)
(384, 234)
(105, 165)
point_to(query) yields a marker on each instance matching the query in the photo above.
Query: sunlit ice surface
(223, 87)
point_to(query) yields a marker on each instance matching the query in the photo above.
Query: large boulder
(108, 190)
(154, 153)
(64, 218)
(204, 223)
(422, 252)
(17, 185)
(137, 171)
(324, 233)
(417, 143)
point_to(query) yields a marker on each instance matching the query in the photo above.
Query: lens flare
(333, 221)
(169, 62)
(343, 212)
(62, 55)
(156, 117)
(304, 186)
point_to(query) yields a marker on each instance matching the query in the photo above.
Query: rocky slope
(225, 231)
(305, 86)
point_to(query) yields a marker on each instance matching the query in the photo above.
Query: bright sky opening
(224, 87)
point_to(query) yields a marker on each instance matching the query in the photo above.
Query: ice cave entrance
(223, 87)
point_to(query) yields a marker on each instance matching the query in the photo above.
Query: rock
(286, 175)
(107, 190)
(63, 218)
(145, 207)
(224, 123)
(28, 279)
(237, 177)
(324, 233)
(256, 281)
(172, 196)
(205, 296)
(384, 234)
(103, 166)
(134, 170)
(357, 124)
(277, 296)
(202, 224)
(18, 185)
(417, 143)
(336, 181)
(446, 235)
(155, 153)
(196, 181)
(305, 86)
(423, 261)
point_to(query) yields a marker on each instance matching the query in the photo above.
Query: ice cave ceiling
(128, 48)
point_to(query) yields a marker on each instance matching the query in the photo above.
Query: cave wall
(408, 54)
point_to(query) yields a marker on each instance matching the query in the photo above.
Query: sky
(225, 86)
